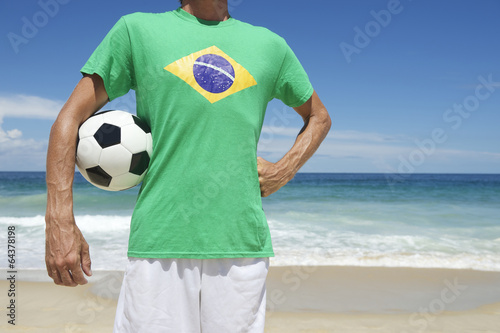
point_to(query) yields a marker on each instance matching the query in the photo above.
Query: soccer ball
(113, 151)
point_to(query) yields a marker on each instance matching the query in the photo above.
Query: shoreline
(299, 299)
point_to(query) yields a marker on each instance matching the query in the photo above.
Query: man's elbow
(324, 120)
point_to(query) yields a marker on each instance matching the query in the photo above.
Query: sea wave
(313, 244)
(86, 223)
(320, 257)
(294, 244)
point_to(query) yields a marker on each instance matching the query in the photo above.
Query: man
(199, 244)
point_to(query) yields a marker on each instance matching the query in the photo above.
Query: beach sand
(299, 298)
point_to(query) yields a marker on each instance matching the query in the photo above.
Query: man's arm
(317, 122)
(66, 251)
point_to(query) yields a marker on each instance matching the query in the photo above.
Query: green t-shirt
(203, 88)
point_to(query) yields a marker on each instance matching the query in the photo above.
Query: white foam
(103, 223)
(484, 263)
(89, 223)
(23, 221)
(310, 244)
(294, 244)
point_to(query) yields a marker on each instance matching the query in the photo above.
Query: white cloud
(25, 106)
(16, 151)
(9, 135)
(346, 135)
(374, 152)
(271, 131)
(364, 136)
(336, 148)
(14, 134)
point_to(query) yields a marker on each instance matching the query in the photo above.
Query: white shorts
(193, 296)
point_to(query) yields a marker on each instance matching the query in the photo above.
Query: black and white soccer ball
(114, 149)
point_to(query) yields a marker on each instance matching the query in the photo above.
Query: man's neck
(209, 10)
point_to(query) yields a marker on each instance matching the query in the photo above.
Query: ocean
(417, 220)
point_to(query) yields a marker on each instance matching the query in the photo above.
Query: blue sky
(412, 86)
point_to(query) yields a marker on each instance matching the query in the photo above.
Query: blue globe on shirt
(213, 73)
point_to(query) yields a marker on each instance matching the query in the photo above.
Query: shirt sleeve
(112, 61)
(293, 86)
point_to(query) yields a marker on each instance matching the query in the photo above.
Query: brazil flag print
(212, 73)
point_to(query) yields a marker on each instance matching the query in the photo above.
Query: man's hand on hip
(271, 177)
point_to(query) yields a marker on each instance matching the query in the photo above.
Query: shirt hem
(303, 99)
(90, 70)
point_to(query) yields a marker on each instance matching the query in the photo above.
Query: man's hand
(271, 178)
(66, 253)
